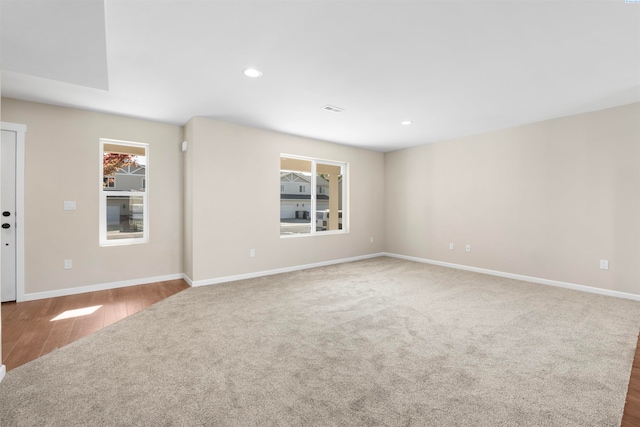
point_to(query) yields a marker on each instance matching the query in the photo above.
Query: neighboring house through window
(303, 211)
(124, 209)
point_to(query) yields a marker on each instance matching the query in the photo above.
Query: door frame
(20, 131)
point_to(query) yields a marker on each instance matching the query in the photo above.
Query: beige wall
(62, 163)
(547, 200)
(236, 201)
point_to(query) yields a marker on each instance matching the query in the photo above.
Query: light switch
(70, 205)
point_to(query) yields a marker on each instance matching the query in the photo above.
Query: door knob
(6, 225)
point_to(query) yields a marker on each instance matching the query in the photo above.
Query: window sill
(319, 233)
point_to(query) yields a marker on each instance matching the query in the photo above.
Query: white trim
(3, 372)
(521, 277)
(15, 127)
(218, 280)
(101, 287)
(20, 131)
(187, 279)
(314, 196)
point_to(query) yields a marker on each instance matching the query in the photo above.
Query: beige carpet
(380, 342)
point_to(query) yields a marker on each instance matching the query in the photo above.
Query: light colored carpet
(382, 342)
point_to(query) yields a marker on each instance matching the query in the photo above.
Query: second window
(312, 196)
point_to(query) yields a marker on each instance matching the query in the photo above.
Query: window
(109, 181)
(320, 210)
(124, 213)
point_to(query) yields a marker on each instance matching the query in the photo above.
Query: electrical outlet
(252, 253)
(468, 248)
(604, 264)
(451, 245)
(371, 240)
(68, 264)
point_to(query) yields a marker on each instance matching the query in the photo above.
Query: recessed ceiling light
(406, 122)
(252, 72)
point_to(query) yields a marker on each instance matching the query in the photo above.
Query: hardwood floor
(631, 417)
(29, 331)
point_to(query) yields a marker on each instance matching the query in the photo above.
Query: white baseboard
(100, 287)
(188, 280)
(191, 282)
(218, 280)
(3, 371)
(537, 280)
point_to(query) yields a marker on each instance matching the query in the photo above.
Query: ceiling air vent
(333, 109)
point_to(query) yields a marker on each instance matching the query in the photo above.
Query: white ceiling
(454, 68)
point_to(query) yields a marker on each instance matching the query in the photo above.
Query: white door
(8, 215)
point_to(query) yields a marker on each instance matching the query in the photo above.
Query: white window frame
(142, 194)
(344, 168)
